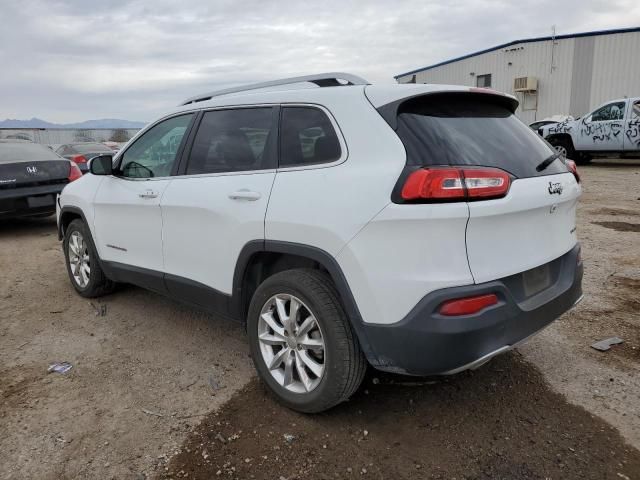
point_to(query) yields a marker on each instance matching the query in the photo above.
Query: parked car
(114, 146)
(31, 175)
(611, 130)
(549, 121)
(82, 152)
(345, 225)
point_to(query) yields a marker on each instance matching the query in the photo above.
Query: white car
(611, 130)
(421, 229)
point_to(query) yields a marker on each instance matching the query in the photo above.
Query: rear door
(632, 127)
(127, 205)
(603, 129)
(218, 202)
(535, 222)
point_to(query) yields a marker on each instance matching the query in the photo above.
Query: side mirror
(101, 165)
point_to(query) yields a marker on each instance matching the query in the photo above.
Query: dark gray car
(31, 175)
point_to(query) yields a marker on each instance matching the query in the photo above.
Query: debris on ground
(99, 312)
(149, 412)
(214, 384)
(59, 367)
(289, 438)
(604, 345)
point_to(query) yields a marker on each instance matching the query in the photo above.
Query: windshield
(451, 129)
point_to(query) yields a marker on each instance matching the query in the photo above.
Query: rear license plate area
(536, 280)
(40, 201)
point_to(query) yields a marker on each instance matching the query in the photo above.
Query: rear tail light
(79, 159)
(468, 305)
(74, 172)
(447, 183)
(571, 165)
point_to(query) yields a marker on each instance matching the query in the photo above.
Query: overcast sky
(67, 61)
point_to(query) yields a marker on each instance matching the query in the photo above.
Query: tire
(97, 284)
(564, 146)
(342, 360)
(583, 159)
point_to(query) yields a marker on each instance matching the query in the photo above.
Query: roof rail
(322, 80)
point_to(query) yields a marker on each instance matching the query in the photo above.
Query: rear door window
(307, 137)
(234, 140)
(471, 130)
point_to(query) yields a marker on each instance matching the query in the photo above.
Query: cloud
(72, 60)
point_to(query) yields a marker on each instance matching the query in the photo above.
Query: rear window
(467, 129)
(25, 152)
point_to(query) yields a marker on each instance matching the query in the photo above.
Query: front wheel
(81, 259)
(302, 343)
(564, 147)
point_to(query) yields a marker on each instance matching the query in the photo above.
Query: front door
(218, 203)
(632, 128)
(127, 205)
(603, 129)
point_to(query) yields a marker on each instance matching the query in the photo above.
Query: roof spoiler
(390, 111)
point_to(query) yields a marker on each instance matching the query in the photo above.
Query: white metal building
(564, 74)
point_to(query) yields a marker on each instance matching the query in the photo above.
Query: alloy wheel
(292, 343)
(79, 261)
(561, 149)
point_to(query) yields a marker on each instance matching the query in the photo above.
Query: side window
(307, 137)
(154, 153)
(613, 111)
(636, 109)
(232, 141)
(483, 81)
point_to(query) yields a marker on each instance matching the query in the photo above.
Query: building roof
(526, 40)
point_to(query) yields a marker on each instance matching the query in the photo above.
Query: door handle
(148, 194)
(245, 195)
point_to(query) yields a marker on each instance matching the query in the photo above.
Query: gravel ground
(149, 376)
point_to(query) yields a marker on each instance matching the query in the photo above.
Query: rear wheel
(302, 343)
(82, 262)
(564, 147)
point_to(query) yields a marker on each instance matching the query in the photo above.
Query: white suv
(421, 229)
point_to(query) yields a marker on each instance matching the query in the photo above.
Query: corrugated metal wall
(612, 61)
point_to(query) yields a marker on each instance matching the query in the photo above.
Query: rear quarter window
(471, 130)
(307, 137)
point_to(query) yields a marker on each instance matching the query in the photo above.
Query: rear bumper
(427, 343)
(26, 201)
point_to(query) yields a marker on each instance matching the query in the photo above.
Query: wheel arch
(267, 257)
(560, 136)
(67, 215)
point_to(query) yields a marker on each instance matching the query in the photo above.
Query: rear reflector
(447, 183)
(79, 159)
(468, 306)
(74, 172)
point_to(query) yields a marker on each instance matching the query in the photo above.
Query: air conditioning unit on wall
(525, 84)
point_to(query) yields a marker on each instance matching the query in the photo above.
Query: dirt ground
(149, 377)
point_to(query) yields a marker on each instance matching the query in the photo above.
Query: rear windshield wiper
(545, 163)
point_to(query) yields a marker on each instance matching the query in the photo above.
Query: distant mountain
(102, 123)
